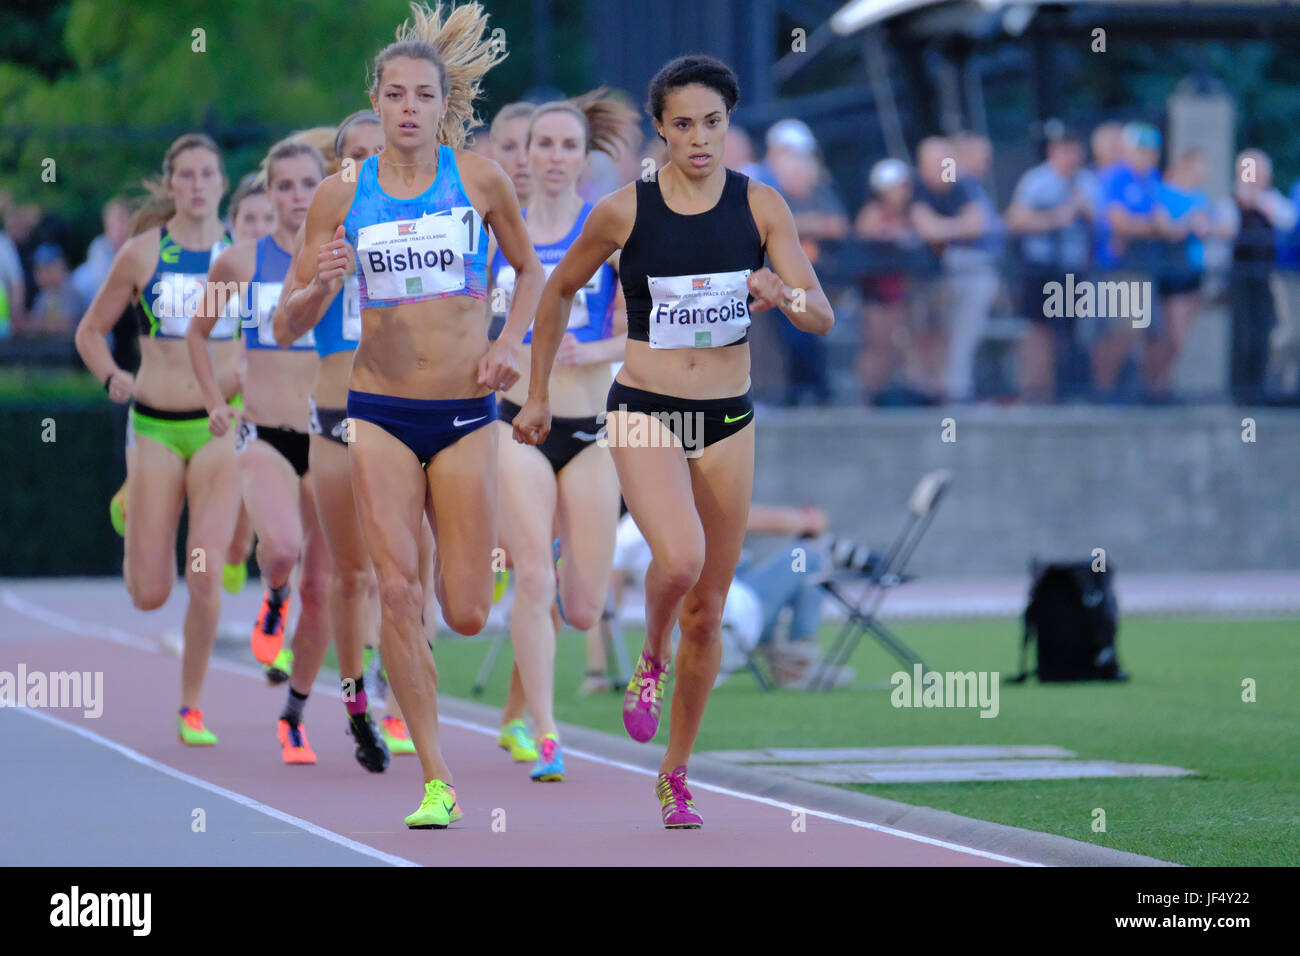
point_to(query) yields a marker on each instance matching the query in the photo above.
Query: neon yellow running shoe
(279, 669)
(438, 808)
(234, 576)
(190, 729)
(117, 510)
(514, 738)
(499, 586)
(396, 736)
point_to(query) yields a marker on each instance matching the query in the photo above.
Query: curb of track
(1028, 845)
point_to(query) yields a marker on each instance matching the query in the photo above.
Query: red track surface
(601, 815)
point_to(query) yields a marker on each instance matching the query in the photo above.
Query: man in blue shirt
(1123, 230)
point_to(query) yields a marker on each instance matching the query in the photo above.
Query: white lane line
(35, 611)
(231, 795)
(248, 671)
(767, 801)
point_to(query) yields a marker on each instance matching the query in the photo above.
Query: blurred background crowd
(955, 234)
(948, 291)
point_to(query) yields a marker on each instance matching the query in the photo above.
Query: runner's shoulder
(237, 260)
(613, 214)
(336, 191)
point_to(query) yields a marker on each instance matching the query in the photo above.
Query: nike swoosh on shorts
(727, 419)
(588, 436)
(459, 424)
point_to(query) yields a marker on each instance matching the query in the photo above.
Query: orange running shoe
(268, 632)
(293, 740)
(396, 736)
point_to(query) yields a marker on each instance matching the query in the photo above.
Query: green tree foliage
(103, 88)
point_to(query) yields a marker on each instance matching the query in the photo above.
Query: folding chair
(615, 651)
(862, 618)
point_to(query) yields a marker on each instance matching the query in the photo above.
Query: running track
(121, 790)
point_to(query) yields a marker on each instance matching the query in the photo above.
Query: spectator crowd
(929, 264)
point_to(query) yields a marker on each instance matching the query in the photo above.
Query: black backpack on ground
(1072, 616)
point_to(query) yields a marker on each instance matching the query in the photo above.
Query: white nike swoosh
(458, 423)
(586, 436)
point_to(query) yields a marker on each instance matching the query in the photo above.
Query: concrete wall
(1159, 489)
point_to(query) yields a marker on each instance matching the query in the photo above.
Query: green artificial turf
(1183, 706)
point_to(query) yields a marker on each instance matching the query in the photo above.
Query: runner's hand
(497, 369)
(570, 351)
(767, 289)
(533, 423)
(221, 418)
(334, 260)
(121, 386)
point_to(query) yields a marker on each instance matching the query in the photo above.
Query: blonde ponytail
(456, 46)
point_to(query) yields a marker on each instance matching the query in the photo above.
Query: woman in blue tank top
(412, 223)
(353, 592)
(172, 456)
(568, 477)
(693, 241)
(272, 431)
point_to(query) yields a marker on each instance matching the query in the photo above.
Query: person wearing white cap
(819, 214)
(884, 220)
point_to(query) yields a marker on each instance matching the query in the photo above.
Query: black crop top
(684, 277)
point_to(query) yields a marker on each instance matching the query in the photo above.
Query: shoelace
(681, 797)
(194, 719)
(295, 735)
(647, 672)
(548, 750)
(395, 727)
(272, 618)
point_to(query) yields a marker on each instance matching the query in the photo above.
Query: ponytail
(457, 48)
(608, 124)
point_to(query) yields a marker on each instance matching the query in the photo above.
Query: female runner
(568, 479)
(173, 459)
(251, 216)
(413, 223)
(336, 327)
(693, 241)
(272, 442)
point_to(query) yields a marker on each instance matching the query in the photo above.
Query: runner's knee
(535, 583)
(401, 595)
(467, 617)
(701, 620)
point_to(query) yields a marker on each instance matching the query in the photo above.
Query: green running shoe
(499, 585)
(514, 738)
(278, 671)
(190, 729)
(396, 736)
(438, 808)
(234, 576)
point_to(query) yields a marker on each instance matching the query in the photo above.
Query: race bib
(352, 309)
(578, 315)
(698, 312)
(267, 296)
(177, 296)
(418, 258)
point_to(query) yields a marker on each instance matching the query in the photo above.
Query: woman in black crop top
(693, 243)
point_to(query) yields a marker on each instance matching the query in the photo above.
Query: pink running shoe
(644, 698)
(675, 802)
